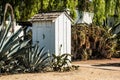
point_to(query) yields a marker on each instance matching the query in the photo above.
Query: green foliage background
(24, 9)
(104, 9)
(27, 8)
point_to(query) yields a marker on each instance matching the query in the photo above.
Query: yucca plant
(10, 45)
(35, 59)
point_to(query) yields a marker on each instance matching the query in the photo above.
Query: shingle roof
(45, 16)
(49, 16)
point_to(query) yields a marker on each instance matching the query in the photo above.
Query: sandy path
(81, 74)
(84, 73)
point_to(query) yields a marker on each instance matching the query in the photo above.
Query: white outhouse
(84, 17)
(53, 31)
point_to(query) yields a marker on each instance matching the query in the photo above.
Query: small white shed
(84, 17)
(53, 31)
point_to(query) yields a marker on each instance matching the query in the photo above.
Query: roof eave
(69, 17)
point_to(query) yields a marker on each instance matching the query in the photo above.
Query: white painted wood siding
(84, 17)
(44, 33)
(53, 34)
(62, 35)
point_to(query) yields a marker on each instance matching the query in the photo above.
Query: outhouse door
(44, 37)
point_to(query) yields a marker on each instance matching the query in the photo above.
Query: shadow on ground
(109, 64)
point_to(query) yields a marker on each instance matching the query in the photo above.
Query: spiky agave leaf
(35, 59)
(10, 45)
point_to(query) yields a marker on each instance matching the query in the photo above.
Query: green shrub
(11, 67)
(91, 41)
(60, 62)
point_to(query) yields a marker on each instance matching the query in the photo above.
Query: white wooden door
(44, 37)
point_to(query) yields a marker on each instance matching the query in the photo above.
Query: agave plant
(10, 45)
(35, 59)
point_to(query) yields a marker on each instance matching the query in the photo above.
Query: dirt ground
(88, 70)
